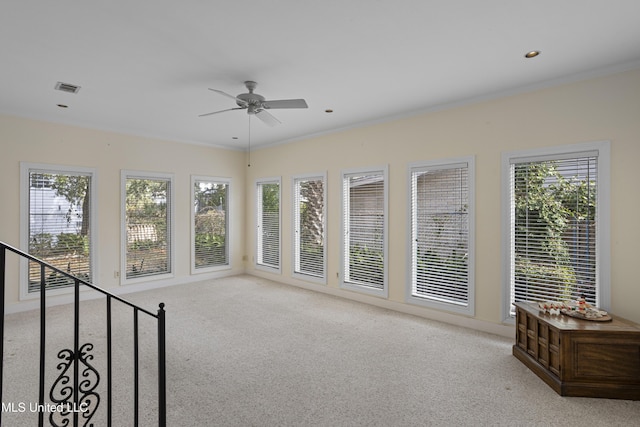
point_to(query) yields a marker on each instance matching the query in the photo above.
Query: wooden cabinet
(580, 357)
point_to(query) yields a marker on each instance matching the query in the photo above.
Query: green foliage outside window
(549, 206)
(147, 222)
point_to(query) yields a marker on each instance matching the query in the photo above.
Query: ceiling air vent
(66, 87)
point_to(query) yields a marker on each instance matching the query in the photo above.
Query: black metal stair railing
(74, 392)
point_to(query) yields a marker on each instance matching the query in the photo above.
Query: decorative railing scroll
(87, 400)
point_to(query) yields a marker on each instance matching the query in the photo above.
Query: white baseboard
(89, 294)
(427, 313)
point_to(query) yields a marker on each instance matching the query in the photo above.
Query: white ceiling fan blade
(221, 111)
(238, 100)
(267, 118)
(285, 103)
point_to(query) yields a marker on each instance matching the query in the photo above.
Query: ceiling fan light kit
(257, 105)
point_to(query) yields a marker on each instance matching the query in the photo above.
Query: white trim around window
(597, 150)
(25, 171)
(146, 234)
(441, 230)
(364, 256)
(309, 264)
(211, 246)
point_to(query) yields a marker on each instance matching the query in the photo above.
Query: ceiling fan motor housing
(250, 100)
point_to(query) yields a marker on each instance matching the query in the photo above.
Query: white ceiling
(144, 66)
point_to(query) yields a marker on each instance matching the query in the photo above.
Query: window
(148, 225)
(556, 210)
(364, 231)
(442, 249)
(210, 224)
(268, 221)
(309, 227)
(58, 216)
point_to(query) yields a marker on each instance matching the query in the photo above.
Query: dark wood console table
(580, 357)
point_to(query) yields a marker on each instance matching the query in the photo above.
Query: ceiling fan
(257, 105)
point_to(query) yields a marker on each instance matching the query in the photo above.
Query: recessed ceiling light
(62, 106)
(532, 54)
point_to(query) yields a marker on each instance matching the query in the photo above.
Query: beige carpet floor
(244, 351)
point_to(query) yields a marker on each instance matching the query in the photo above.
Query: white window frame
(384, 292)
(228, 218)
(296, 228)
(445, 164)
(603, 236)
(259, 265)
(25, 169)
(135, 174)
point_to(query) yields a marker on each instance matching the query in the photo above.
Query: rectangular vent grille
(66, 87)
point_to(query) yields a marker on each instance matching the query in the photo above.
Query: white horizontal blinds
(364, 202)
(440, 234)
(210, 223)
(268, 224)
(553, 217)
(309, 226)
(59, 226)
(148, 226)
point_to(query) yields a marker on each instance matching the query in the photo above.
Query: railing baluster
(76, 350)
(109, 366)
(136, 390)
(162, 366)
(3, 259)
(43, 309)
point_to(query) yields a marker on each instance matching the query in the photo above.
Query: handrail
(82, 282)
(72, 359)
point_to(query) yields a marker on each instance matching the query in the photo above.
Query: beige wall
(605, 108)
(23, 140)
